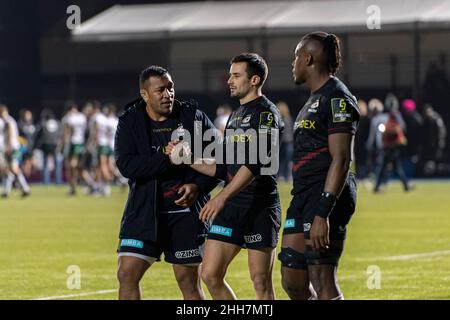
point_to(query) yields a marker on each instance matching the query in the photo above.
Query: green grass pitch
(404, 235)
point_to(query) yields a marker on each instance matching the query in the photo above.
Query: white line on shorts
(77, 295)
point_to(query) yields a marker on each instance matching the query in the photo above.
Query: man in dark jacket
(161, 214)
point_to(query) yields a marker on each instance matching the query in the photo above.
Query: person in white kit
(3, 165)
(74, 124)
(11, 147)
(113, 120)
(101, 136)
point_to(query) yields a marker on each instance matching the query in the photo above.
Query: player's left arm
(342, 120)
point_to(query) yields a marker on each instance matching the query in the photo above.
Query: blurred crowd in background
(78, 148)
(402, 138)
(393, 138)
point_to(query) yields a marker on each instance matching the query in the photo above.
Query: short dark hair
(152, 71)
(331, 48)
(256, 65)
(70, 104)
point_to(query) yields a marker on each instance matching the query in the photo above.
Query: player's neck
(317, 80)
(155, 116)
(250, 97)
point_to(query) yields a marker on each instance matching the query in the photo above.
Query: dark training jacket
(142, 165)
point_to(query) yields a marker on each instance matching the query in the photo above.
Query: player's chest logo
(314, 107)
(305, 124)
(305, 120)
(245, 123)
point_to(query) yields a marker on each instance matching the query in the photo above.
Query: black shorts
(301, 212)
(251, 228)
(88, 160)
(180, 237)
(48, 149)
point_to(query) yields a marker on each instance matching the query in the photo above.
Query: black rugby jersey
(330, 109)
(262, 116)
(169, 182)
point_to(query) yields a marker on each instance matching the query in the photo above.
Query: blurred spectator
(435, 134)
(27, 135)
(12, 155)
(286, 142)
(393, 138)
(222, 114)
(414, 122)
(47, 139)
(362, 159)
(374, 143)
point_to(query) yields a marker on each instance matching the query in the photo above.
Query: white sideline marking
(416, 256)
(77, 295)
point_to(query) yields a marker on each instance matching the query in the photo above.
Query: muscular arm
(204, 168)
(242, 179)
(340, 151)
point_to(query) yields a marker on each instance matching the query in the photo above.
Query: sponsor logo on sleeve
(341, 110)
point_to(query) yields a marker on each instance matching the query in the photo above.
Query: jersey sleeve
(342, 113)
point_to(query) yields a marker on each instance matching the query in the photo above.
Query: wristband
(326, 204)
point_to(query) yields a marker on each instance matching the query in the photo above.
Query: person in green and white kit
(11, 146)
(74, 129)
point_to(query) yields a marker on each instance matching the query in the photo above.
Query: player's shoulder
(338, 89)
(266, 114)
(267, 106)
(130, 109)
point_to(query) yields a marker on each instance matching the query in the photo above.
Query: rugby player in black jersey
(247, 212)
(324, 192)
(161, 214)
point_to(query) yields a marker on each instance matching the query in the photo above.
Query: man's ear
(144, 94)
(309, 59)
(255, 80)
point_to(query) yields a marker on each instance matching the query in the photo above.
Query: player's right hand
(169, 148)
(319, 233)
(212, 208)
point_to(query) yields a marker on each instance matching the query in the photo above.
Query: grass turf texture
(44, 234)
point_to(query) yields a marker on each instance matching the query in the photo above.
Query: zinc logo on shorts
(187, 254)
(253, 238)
